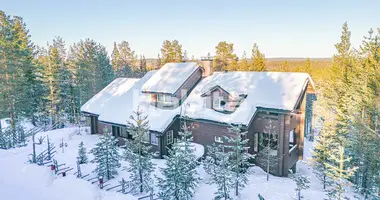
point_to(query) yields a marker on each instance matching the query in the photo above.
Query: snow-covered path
(19, 180)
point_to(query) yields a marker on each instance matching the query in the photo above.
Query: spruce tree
(115, 59)
(238, 157)
(339, 173)
(257, 60)
(106, 156)
(302, 183)
(265, 155)
(217, 165)
(244, 64)
(137, 154)
(82, 154)
(180, 177)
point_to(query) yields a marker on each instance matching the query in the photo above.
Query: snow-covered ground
(20, 180)
(6, 122)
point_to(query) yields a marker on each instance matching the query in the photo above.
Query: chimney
(206, 63)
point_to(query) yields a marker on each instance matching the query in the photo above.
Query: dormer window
(219, 103)
(164, 98)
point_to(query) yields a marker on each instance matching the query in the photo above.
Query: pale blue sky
(283, 28)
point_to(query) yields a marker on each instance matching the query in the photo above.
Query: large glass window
(169, 137)
(153, 139)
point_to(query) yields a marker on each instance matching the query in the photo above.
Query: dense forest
(51, 82)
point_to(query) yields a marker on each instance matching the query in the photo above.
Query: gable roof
(170, 78)
(116, 89)
(277, 90)
(209, 91)
(116, 103)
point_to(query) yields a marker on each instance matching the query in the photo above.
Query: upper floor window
(164, 98)
(219, 103)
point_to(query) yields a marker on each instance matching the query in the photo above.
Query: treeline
(347, 147)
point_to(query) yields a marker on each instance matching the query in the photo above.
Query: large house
(211, 102)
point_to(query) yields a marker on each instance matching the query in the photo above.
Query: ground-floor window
(256, 142)
(124, 132)
(292, 139)
(218, 139)
(153, 139)
(169, 137)
(266, 138)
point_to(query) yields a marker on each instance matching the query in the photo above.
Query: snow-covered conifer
(238, 157)
(82, 154)
(180, 177)
(137, 154)
(217, 165)
(106, 156)
(302, 183)
(340, 174)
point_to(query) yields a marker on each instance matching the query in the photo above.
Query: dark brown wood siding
(189, 84)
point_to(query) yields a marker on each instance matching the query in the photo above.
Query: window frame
(219, 106)
(218, 141)
(153, 137)
(164, 98)
(169, 133)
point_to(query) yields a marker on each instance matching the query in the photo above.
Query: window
(169, 137)
(291, 137)
(218, 139)
(256, 142)
(153, 139)
(163, 98)
(124, 132)
(266, 138)
(218, 103)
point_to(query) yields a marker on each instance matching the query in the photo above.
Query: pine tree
(158, 63)
(185, 58)
(115, 58)
(224, 57)
(302, 183)
(171, 51)
(137, 154)
(180, 177)
(91, 69)
(18, 73)
(307, 67)
(142, 65)
(339, 173)
(82, 154)
(127, 61)
(238, 157)
(106, 156)
(258, 59)
(217, 165)
(244, 64)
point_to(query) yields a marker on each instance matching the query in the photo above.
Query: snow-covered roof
(278, 90)
(170, 77)
(118, 104)
(116, 89)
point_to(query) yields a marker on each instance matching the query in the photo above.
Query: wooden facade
(289, 127)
